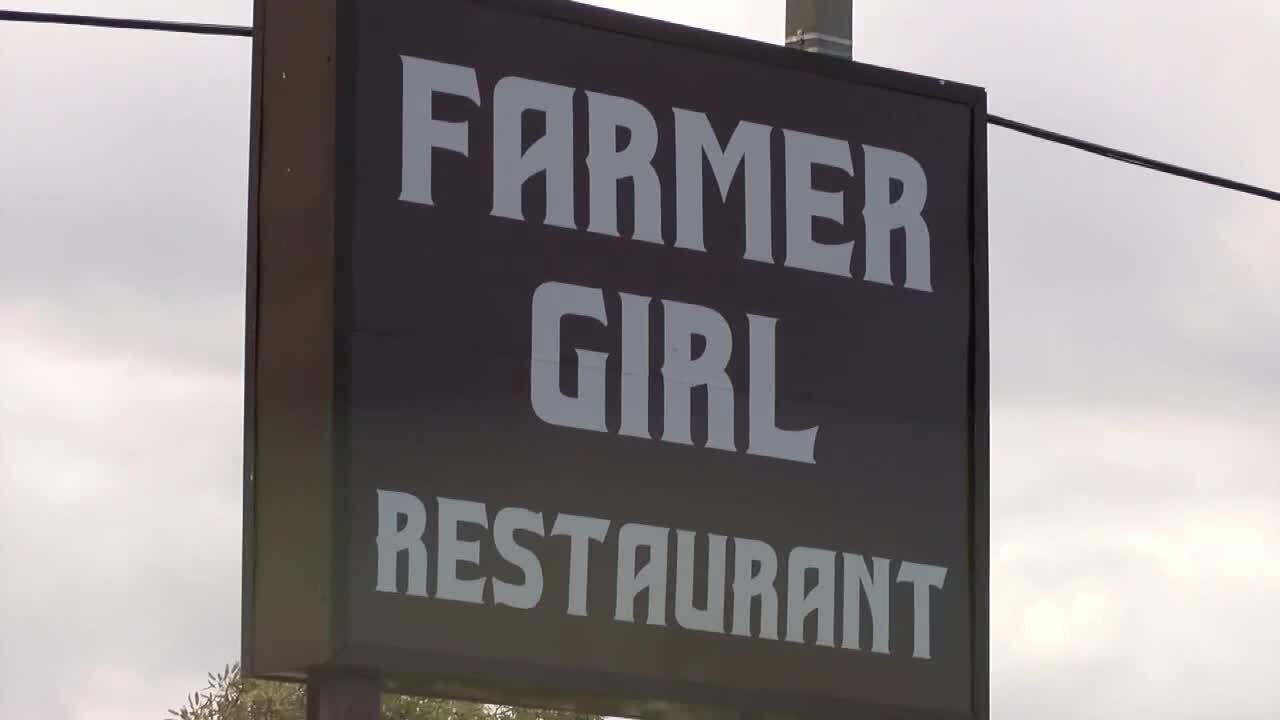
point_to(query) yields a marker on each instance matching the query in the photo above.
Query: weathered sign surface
(603, 363)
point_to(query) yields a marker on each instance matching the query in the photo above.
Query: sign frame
(295, 531)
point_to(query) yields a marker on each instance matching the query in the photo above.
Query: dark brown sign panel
(601, 363)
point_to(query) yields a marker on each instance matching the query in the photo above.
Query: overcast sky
(1135, 346)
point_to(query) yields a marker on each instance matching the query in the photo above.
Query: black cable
(125, 23)
(1131, 158)
(1041, 133)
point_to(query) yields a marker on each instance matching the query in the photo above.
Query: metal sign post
(821, 26)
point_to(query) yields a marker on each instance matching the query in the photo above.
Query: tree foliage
(229, 696)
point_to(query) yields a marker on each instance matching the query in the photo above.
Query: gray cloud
(121, 527)
(121, 294)
(1134, 332)
(128, 159)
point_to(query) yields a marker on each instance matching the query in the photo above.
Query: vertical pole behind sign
(821, 26)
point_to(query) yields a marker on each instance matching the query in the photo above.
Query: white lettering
(453, 550)
(922, 578)
(681, 373)
(505, 525)
(552, 301)
(882, 217)
(689, 590)
(749, 145)
(755, 569)
(623, 136)
(608, 164)
(804, 203)
(392, 540)
(861, 582)
(635, 365)
(650, 579)
(420, 131)
(710, 618)
(821, 599)
(764, 437)
(551, 154)
(581, 531)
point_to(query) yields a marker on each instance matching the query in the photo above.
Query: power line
(1128, 157)
(1014, 125)
(125, 23)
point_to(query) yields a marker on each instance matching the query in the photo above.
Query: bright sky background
(1135, 348)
